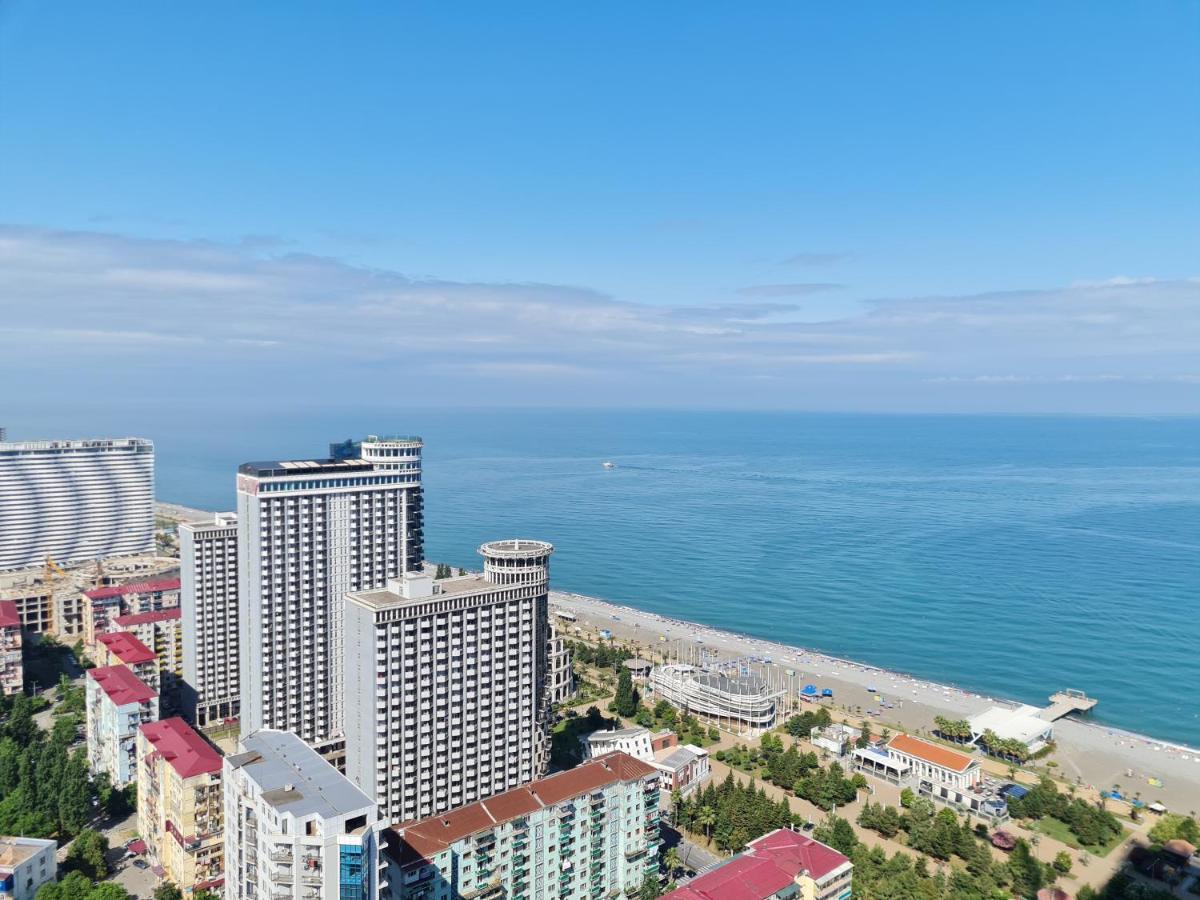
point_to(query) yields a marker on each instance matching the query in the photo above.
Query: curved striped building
(75, 501)
(741, 698)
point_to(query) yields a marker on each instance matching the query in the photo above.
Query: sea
(1013, 556)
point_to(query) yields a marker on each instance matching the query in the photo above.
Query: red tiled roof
(187, 752)
(159, 615)
(428, 837)
(126, 647)
(121, 685)
(9, 615)
(931, 753)
(766, 867)
(138, 587)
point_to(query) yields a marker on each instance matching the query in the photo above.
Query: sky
(927, 207)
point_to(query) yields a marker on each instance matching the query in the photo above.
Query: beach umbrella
(809, 689)
(827, 692)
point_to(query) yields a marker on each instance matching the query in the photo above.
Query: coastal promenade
(1092, 756)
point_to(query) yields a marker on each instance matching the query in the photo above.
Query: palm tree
(706, 819)
(672, 862)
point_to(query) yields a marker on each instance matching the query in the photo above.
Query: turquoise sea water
(1014, 556)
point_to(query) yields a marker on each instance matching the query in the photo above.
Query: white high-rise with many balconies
(209, 601)
(75, 501)
(309, 532)
(446, 683)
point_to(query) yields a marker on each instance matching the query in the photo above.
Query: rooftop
(121, 685)
(1021, 724)
(187, 752)
(454, 586)
(9, 616)
(428, 837)
(126, 647)
(767, 866)
(294, 778)
(617, 734)
(15, 850)
(931, 753)
(518, 548)
(158, 615)
(674, 758)
(293, 468)
(137, 587)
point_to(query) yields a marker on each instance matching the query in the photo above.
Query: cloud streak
(84, 305)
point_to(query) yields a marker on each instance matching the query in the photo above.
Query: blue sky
(925, 206)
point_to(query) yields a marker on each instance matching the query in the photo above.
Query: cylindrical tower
(516, 561)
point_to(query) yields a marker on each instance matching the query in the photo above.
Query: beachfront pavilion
(1022, 723)
(876, 761)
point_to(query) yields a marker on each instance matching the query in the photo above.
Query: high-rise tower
(310, 531)
(446, 683)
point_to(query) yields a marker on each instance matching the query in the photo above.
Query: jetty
(1066, 702)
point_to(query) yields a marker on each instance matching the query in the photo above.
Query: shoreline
(1093, 754)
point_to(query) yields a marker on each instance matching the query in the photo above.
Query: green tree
(625, 703)
(672, 863)
(86, 855)
(168, 891)
(651, 889)
(1062, 862)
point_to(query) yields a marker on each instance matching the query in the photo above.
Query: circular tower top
(516, 561)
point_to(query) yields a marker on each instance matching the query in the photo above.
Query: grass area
(1059, 830)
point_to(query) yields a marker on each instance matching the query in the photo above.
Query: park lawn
(1057, 829)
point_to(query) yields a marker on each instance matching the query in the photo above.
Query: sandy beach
(1093, 754)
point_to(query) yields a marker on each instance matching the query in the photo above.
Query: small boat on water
(609, 464)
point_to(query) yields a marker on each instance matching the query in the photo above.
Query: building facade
(12, 662)
(743, 699)
(161, 631)
(101, 607)
(75, 501)
(209, 599)
(120, 648)
(560, 679)
(589, 832)
(782, 865)
(446, 682)
(295, 829)
(25, 865)
(118, 704)
(309, 531)
(180, 806)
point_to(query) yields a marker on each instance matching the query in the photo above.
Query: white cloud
(67, 299)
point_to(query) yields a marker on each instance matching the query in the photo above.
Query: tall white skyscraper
(446, 683)
(75, 501)
(310, 531)
(208, 598)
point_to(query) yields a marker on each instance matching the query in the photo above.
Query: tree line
(732, 813)
(1092, 826)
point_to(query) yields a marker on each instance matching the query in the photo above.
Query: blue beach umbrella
(809, 690)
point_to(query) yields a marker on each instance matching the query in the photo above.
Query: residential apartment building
(782, 865)
(446, 683)
(102, 606)
(75, 501)
(25, 865)
(208, 553)
(309, 531)
(121, 648)
(12, 663)
(295, 829)
(161, 631)
(181, 806)
(589, 832)
(118, 704)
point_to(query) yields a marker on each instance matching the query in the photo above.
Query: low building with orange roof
(588, 832)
